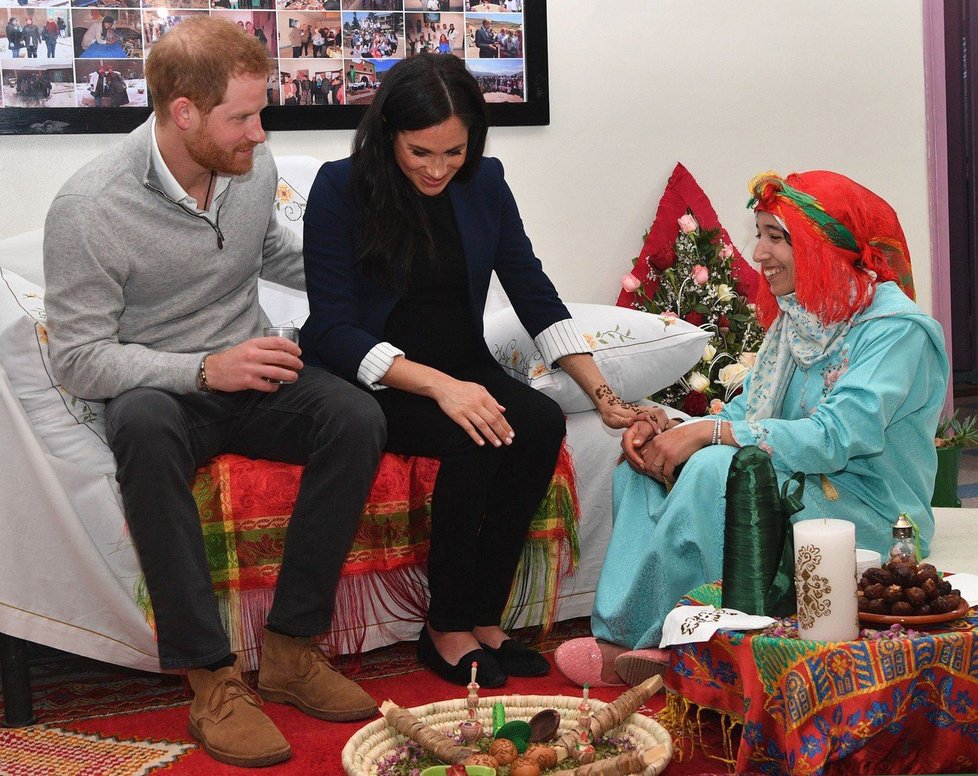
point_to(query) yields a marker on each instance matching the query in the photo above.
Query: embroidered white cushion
(286, 306)
(73, 429)
(638, 353)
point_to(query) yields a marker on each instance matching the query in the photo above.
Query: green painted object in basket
(516, 731)
(471, 770)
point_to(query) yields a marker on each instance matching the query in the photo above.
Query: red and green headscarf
(842, 235)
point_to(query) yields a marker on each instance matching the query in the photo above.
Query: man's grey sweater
(138, 289)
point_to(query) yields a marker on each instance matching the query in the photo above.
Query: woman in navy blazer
(400, 243)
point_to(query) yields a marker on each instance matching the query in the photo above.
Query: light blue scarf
(796, 338)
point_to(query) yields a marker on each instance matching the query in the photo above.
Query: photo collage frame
(78, 65)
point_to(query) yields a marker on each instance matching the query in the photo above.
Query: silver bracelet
(717, 432)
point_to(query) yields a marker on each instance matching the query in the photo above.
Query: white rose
(747, 359)
(699, 382)
(724, 293)
(709, 353)
(732, 376)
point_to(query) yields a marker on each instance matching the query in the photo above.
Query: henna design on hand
(604, 393)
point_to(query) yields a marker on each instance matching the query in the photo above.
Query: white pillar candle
(825, 579)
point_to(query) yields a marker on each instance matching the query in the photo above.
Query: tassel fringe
(828, 488)
(684, 721)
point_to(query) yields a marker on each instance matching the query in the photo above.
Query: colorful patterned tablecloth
(245, 505)
(886, 706)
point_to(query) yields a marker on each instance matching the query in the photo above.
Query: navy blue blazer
(348, 310)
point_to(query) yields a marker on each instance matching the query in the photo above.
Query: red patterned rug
(99, 720)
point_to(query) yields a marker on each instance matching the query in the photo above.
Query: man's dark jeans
(321, 421)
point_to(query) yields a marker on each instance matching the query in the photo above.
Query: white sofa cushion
(23, 254)
(638, 353)
(286, 306)
(73, 429)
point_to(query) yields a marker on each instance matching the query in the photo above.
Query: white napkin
(967, 584)
(686, 624)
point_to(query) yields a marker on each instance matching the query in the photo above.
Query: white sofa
(68, 572)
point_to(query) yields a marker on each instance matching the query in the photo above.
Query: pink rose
(716, 406)
(700, 274)
(726, 251)
(688, 224)
(630, 283)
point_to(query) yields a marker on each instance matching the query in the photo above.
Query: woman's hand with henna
(616, 413)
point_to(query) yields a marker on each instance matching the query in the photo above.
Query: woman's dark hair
(415, 94)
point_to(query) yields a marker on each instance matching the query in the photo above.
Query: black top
(432, 321)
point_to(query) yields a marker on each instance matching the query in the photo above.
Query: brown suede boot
(226, 717)
(294, 670)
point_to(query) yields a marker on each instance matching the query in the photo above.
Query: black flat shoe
(488, 674)
(518, 659)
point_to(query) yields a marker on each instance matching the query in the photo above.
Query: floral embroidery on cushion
(511, 357)
(289, 201)
(613, 336)
(530, 364)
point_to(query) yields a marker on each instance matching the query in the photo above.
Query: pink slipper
(580, 661)
(641, 664)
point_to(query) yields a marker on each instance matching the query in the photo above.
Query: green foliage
(952, 432)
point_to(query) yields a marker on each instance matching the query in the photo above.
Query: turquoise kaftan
(864, 416)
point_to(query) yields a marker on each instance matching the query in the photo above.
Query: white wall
(727, 88)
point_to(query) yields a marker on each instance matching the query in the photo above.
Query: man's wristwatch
(202, 385)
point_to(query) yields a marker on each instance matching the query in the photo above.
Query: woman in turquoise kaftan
(864, 417)
(847, 388)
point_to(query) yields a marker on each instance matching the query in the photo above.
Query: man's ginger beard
(212, 156)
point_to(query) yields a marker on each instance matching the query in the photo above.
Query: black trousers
(484, 497)
(159, 439)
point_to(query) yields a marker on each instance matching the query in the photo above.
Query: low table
(884, 706)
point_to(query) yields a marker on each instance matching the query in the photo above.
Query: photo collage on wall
(90, 53)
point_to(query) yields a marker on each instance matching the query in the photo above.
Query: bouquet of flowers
(695, 282)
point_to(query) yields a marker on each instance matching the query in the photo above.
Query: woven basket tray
(377, 739)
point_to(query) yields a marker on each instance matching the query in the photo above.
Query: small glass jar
(903, 543)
